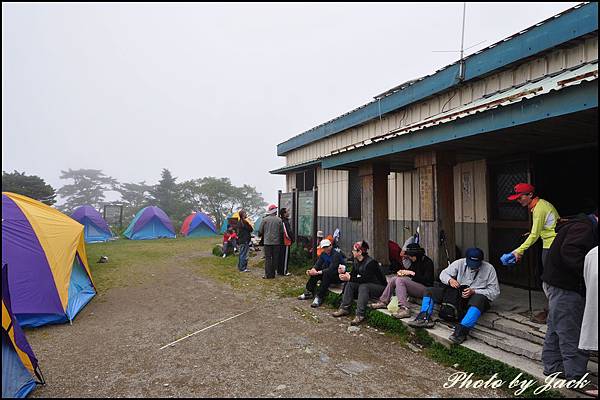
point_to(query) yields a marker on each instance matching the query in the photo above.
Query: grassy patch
(132, 262)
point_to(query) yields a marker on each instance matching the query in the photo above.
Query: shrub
(299, 257)
(218, 250)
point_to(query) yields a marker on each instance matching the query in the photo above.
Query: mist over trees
(88, 187)
(28, 185)
(217, 197)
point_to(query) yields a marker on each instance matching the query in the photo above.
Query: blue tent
(19, 364)
(198, 225)
(95, 227)
(150, 223)
(257, 224)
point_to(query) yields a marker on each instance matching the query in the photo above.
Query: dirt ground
(280, 348)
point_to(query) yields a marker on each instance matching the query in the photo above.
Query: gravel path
(281, 348)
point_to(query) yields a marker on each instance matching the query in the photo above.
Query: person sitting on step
(324, 270)
(365, 281)
(469, 279)
(414, 276)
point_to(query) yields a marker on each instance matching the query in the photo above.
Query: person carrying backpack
(469, 278)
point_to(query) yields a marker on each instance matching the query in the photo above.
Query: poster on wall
(305, 213)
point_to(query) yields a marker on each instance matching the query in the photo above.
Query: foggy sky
(211, 89)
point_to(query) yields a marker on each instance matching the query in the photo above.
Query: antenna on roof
(461, 62)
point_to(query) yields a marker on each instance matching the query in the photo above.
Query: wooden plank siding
(554, 61)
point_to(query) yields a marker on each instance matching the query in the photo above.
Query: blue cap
(474, 257)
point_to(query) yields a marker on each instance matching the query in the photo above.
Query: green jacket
(545, 218)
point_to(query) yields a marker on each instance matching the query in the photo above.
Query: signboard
(426, 193)
(113, 215)
(306, 203)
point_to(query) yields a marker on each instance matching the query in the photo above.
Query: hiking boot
(341, 312)
(378, 305)
(316, 302)
(305, 296)
(540, 318)
(422, 320)
(403, 312)
(359, 319)
(460, 334)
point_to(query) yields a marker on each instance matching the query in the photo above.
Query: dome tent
(198, 224)
(95, 227)
(19, 364)
(49, 273)
(150, 223)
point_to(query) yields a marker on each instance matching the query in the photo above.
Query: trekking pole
(443, 243)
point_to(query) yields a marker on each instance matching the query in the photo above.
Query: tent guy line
(204, 329)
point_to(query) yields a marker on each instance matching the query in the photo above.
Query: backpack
(453, 306)
(450, 308)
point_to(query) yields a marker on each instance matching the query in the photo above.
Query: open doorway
(568, 179)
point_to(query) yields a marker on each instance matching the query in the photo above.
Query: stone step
(507, 342)
(500, 339)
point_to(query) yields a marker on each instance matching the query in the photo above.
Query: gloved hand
(508, 259)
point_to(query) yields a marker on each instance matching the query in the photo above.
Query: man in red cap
(544, 217)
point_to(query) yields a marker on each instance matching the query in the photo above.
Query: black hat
(414, 250)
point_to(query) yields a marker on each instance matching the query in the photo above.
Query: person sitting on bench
(415, 275)
(324, 270)
(467, 280)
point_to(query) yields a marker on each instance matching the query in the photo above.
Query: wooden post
(374, 209)
(436, 205)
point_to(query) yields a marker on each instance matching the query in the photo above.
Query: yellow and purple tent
(19, 364)
(49, 275)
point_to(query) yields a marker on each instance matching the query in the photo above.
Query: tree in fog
(28, 185)
(88, 187)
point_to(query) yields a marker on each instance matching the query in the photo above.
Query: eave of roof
(561, 28)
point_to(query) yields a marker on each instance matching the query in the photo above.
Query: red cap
(272, 208)
(520, 189)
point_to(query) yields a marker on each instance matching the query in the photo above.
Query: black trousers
(271, 260)
(328, 278)
(284, 255)
(477, 300)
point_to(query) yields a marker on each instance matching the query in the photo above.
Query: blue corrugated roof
(571, 24)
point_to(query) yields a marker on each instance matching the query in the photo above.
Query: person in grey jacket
(478, 283)
(271, 230)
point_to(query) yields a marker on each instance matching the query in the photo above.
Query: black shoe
(422, 320)
(460, 334)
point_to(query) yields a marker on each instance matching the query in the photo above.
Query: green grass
(130, 262)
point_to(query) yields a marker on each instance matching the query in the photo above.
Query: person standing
(564, 285)
(588, 340)
(544, 217)
(288, 239)
(244, 230)
(271, 230)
